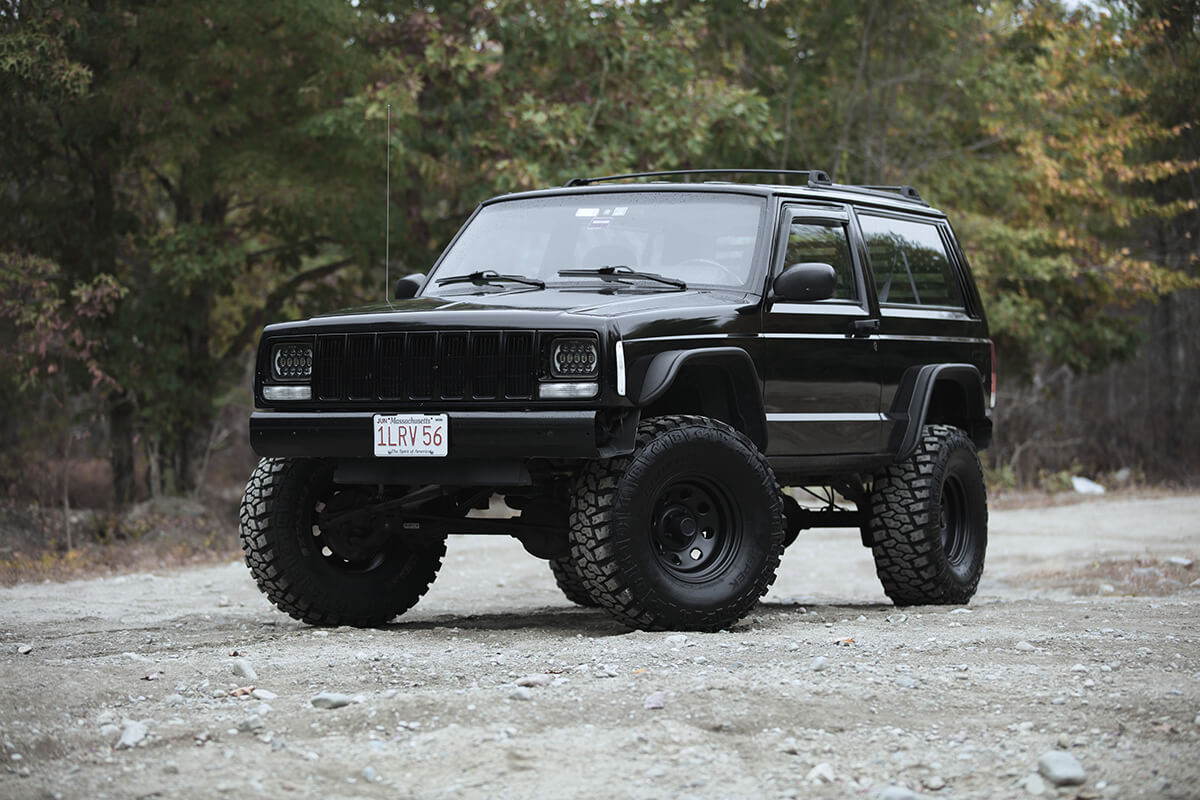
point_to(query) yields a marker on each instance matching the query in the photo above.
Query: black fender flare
(911, 405)
(651, 376)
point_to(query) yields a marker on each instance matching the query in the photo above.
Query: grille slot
(422, 354)
(485, 366)
(389, 365)
(453, 366)
(520, 366)
(426, 366)
(359, 372)
(331, 367)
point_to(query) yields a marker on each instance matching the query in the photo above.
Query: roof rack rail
(815, 177)
(904, 190)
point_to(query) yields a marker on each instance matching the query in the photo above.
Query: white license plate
(411, 434)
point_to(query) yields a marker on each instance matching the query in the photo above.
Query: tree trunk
(120, 424)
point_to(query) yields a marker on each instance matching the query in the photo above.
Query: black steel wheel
(684, 533)
(318, 564)
(696, 528)
(928, 526)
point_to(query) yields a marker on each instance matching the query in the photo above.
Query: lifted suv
(629, 371)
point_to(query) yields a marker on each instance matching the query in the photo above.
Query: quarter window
(910, 262)
(825, 243)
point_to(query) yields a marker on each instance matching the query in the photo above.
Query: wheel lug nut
(695, 554)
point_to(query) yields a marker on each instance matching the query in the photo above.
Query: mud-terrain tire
(567, 576)
(294, 566)
(685, 533)
(928, 524)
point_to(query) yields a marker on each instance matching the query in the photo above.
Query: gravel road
(1075, 672)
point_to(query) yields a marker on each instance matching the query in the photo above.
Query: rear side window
(910, 262)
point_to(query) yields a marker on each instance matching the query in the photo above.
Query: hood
(627, 309)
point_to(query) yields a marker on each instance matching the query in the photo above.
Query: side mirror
(805, 282)
(409, 285)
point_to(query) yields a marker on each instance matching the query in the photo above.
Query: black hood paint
(631, 311)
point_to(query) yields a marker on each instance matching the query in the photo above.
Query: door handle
(862, 328)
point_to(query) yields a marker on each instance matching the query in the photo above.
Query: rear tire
(684, 533)
(348, 575)
(928, 526)
(570, 582)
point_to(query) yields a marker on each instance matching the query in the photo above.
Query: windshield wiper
(620, 272)
(486, 276)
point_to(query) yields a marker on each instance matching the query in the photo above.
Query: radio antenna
(387, 212)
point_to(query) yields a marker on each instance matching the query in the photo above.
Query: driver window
(825, 243)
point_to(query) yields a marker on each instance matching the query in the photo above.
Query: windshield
(701, 238)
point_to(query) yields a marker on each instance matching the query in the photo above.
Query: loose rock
(24, 649)
(331, 700)
(655, 700)
(897, 793)
(1034, 784)
(263, 694)
(819, 663)
(540, 679)
(1061, 768)
(821, 773)
(252, 722)
(521, 693)
(132, 734)
(242, 668)
(1024, 646)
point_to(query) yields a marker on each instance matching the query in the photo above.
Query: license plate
(411, 434)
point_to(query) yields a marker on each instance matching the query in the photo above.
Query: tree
(197, 162)
(1018, 119)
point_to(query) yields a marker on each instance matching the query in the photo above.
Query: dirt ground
(1084, 639)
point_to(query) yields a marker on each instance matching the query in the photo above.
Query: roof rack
(904, 190)
(815, 178)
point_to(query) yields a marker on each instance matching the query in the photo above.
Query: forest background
(173, 175)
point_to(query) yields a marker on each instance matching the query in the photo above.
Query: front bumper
(473, 435)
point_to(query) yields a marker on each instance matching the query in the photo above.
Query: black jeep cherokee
(630, 370)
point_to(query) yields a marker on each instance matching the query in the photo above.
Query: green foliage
(34, 49)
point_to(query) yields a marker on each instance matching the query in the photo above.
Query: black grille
(427, 365)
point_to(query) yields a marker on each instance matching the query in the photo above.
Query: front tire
(928, 525)
(685, 533)
(348, 574)
(570, 582)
